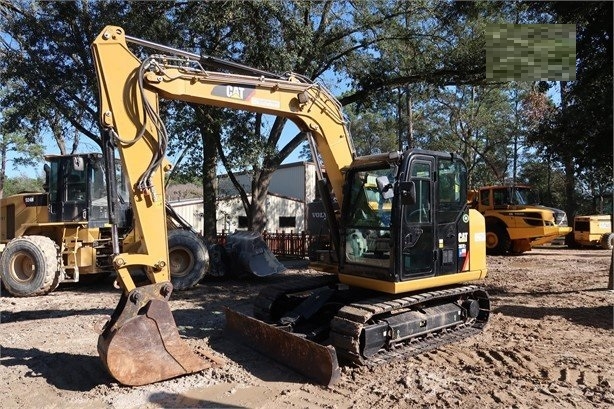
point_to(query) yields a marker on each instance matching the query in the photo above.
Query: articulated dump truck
(514, 222)
(382, 302)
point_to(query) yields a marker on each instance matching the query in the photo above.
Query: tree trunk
(570, 188)
(257, 219)
(2, 169)
(209, 185)
(570, 177)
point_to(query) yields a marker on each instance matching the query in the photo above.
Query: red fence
(290, 245)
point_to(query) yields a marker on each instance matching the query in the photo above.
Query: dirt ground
(549, 344)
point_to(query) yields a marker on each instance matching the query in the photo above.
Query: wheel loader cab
(67, 186)
(78, 190)
(431, 237)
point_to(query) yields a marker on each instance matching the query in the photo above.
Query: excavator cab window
(452, 189)
(369, 221)
(420, 211)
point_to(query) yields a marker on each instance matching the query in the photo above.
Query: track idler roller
(141, 344)
(471, 307)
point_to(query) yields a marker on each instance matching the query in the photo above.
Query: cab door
(451, 215)
(417, 236)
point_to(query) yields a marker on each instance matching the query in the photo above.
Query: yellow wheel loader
(410, 297)
(64, 235)
(514, 223)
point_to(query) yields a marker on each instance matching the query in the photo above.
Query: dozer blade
(315, 361)
(141, 343)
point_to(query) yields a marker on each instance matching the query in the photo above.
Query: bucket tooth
(315, 361)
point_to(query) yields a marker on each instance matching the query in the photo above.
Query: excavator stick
(315, 361)
(141, 344)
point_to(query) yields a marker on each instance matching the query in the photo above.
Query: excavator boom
(141, 334)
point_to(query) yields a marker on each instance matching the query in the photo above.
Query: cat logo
(239, 92)
(234, 92)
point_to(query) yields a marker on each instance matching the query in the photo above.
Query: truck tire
(29, 266)
(571, 242)
(497, 240)
(189, 258)
(607, 241)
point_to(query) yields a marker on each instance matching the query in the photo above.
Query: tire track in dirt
(548, 344)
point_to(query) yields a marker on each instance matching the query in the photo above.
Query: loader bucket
(315, 361)
(141, 344)
(249, 254)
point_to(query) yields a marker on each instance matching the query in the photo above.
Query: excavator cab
(429, 235)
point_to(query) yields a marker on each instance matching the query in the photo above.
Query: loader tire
(607, 241)
(29, 266)
(189, 258)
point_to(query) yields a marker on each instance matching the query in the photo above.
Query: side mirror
(384, 187)
(77, 163)
(407, 190)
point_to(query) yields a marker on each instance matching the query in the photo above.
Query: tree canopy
(407, 73)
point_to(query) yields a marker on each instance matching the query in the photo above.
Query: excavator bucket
(141, 344)
(315, 361)
(249, 254)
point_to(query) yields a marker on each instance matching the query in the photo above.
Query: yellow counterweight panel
(477, 242)
(399, 287)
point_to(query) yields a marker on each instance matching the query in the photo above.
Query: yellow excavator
(408, 298)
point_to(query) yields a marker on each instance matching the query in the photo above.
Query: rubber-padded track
(349, 322)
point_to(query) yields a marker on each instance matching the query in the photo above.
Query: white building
(292, 187)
